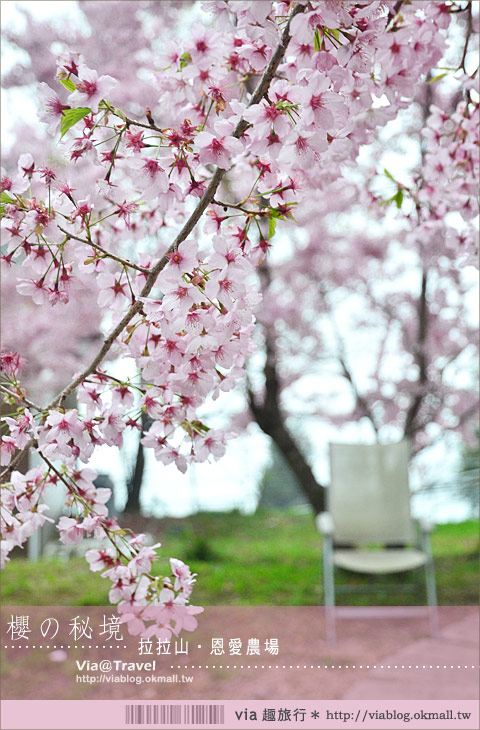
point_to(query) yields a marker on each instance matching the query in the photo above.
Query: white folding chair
(368, 504)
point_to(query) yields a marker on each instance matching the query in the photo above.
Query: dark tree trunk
(135, 481)
(420, 357)
(272, 422)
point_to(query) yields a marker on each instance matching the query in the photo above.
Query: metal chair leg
(329, 589)
(430, 584)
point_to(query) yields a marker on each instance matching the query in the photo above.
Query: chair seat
(379, 561)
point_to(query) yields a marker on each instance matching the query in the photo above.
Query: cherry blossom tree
(140, 32)
(405, 290)
(256, 115)
(75, 328)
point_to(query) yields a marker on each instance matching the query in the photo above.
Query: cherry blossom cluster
(150, 605)
(410, 282)
(127, 563)
(450, 178)
(22, 511)
(254, 114)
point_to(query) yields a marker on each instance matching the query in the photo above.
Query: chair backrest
(369, 495)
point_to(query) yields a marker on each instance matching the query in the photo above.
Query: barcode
(172, 714)
(153, 714)
(203, 714)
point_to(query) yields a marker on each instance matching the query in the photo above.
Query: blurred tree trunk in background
(135, 481)
(271, 420)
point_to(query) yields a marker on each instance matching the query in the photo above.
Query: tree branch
(190, 224)
(359, 398)
(393, 11)
(89, 242)
(421, 359)
(17, 459)
(361, 401)
(204, 202)
(21, 399)
(272, 422)
(468, 33)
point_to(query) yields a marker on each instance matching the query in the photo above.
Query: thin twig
(89, 242)
(361, 400)
(468, 33)
(235, 206)
(72, 491)
(17, 459)
(206, 200)
(393, 11)
(20, 399)
(151, 127)
(421, 359)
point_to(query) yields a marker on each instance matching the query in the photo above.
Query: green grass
(272, 558)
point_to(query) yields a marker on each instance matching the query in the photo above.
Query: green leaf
(68, 84)
(71, 117)
(388, 174)
(120, 114)
(5, 197)
(317, 40)
(436, 78)
(272, 226)
(185, 59)
(398, 198)
(333, 36)
(198, 426)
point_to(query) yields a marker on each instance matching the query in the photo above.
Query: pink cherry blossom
(51, 109)
(100, 559)
(26, 165)
(217, 151)
(91, 88)
(16, 186)
(37, 290)
(7, 450)
(71, 530)
(63, 426)
(149, 176)
(113, 291)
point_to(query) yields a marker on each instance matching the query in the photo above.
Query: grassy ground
(263, 559)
